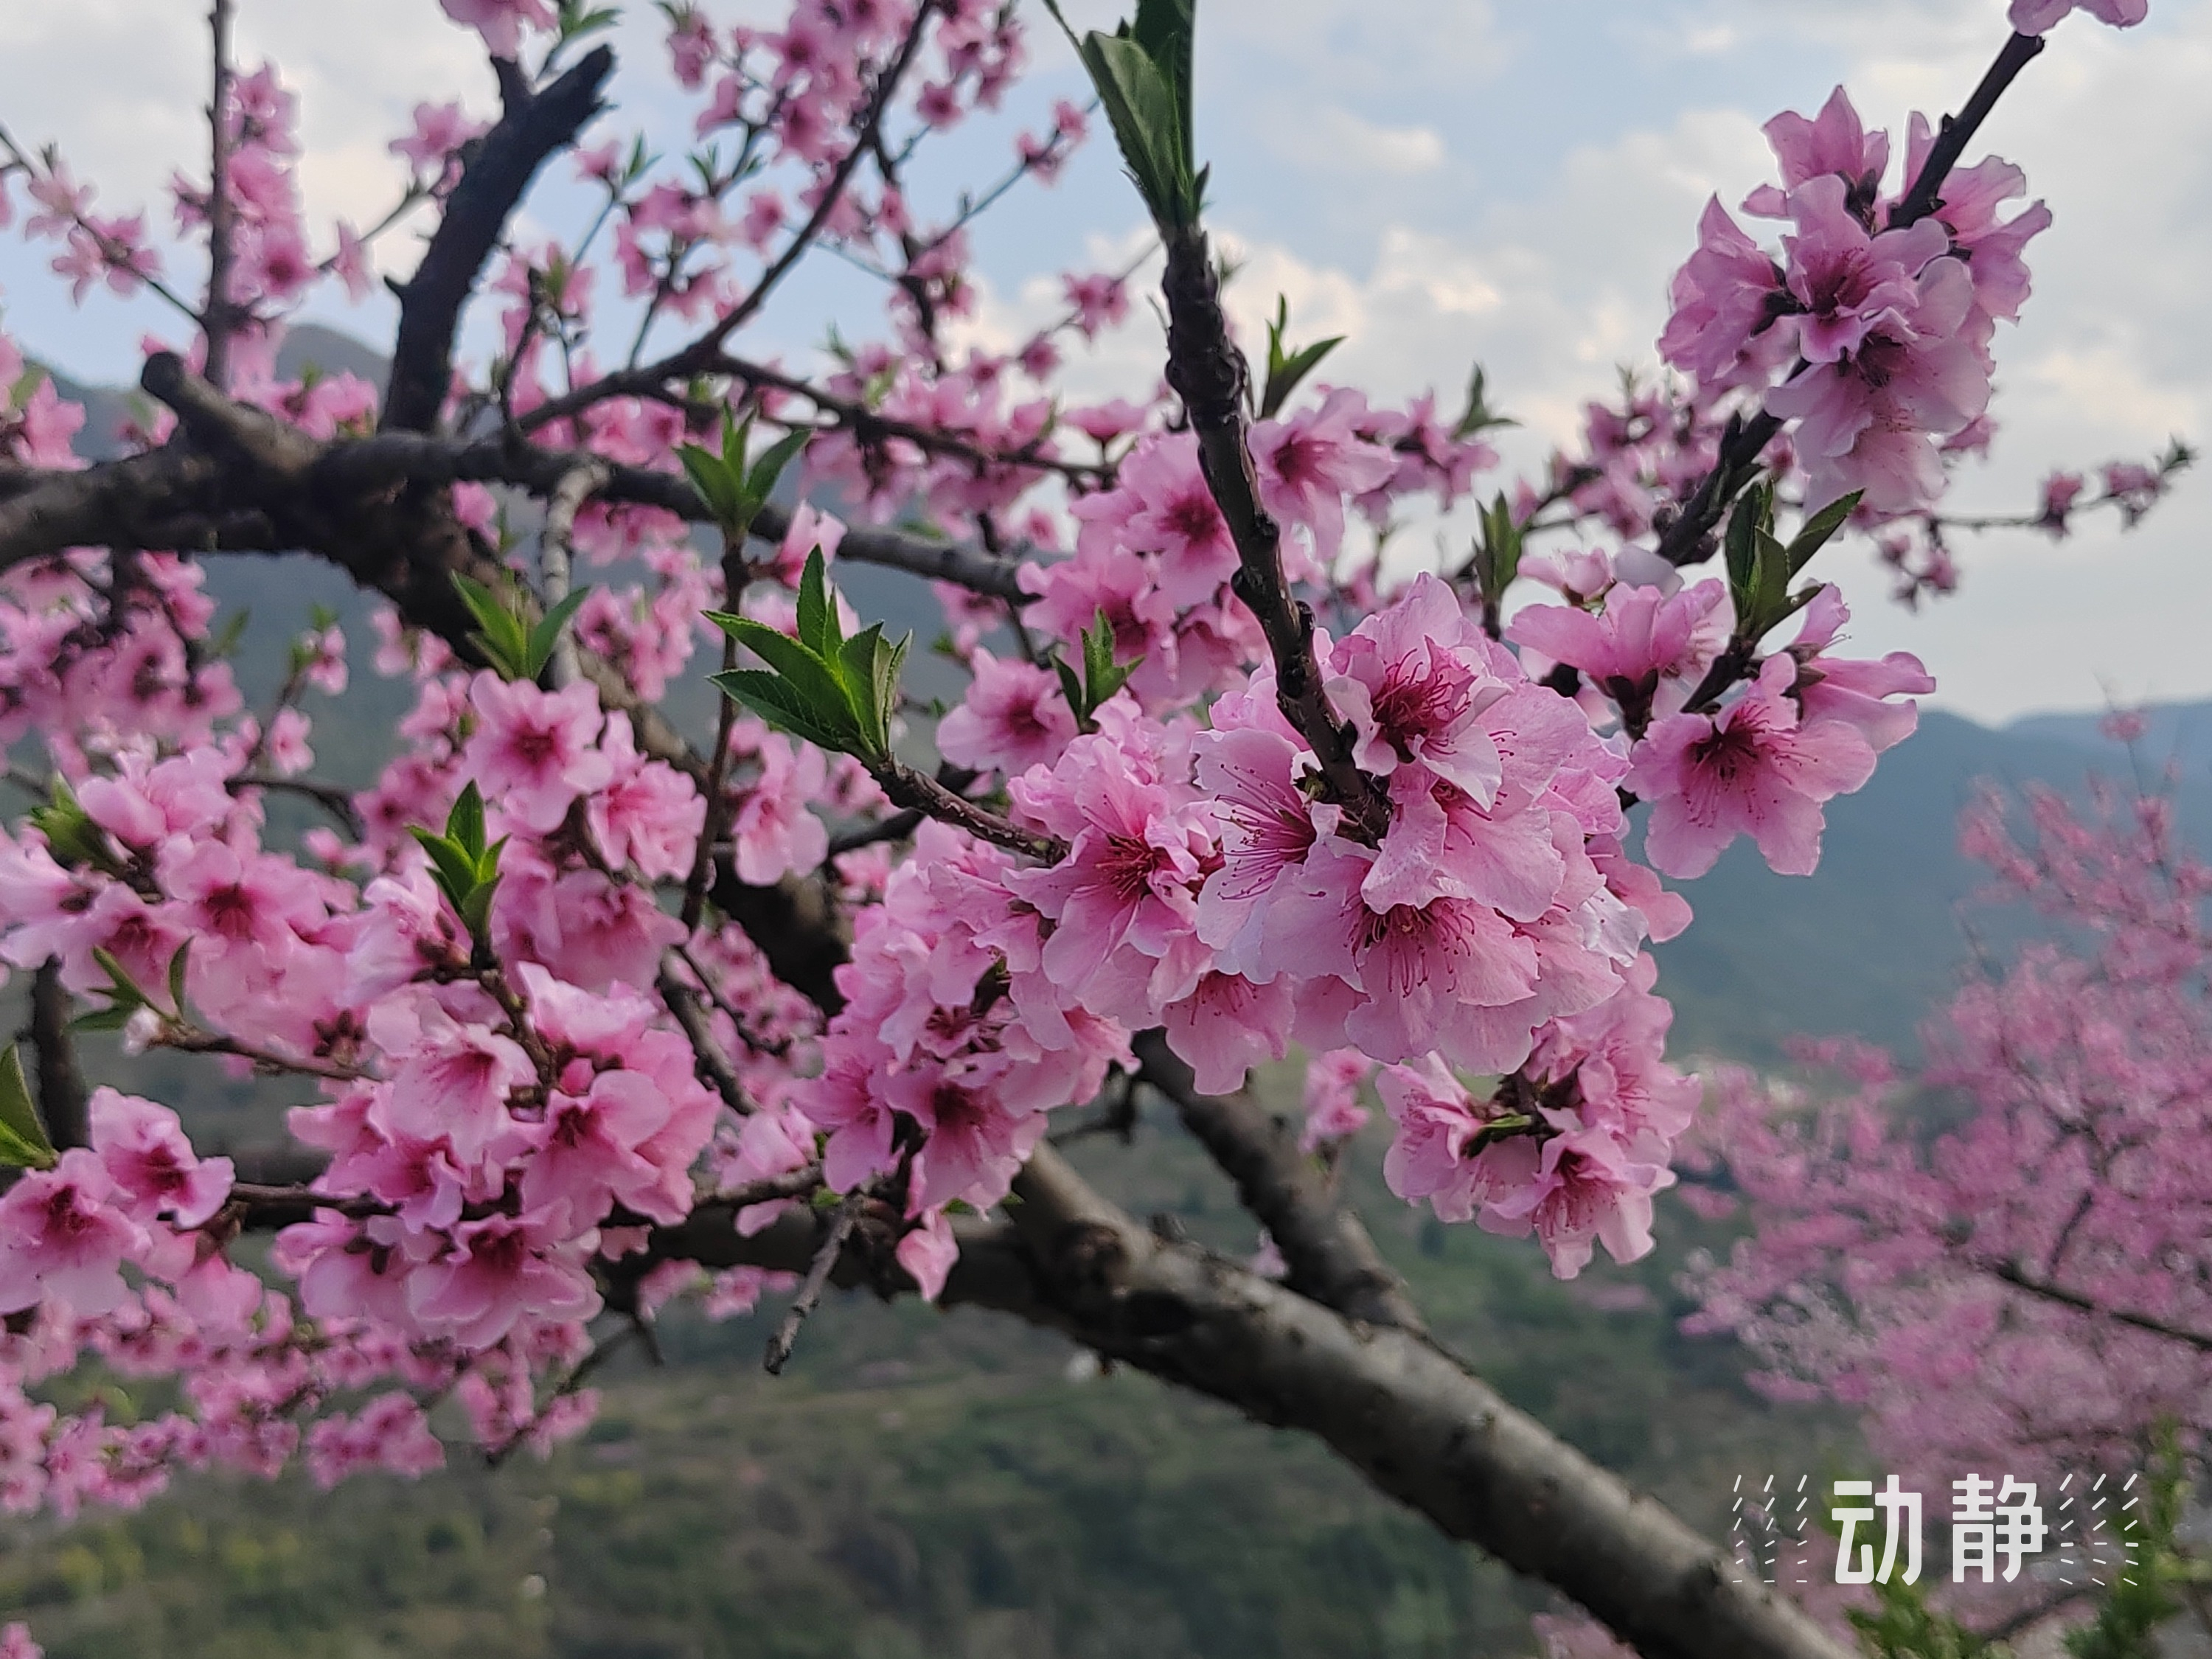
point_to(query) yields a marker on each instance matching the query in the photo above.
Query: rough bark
(1328, 1250)
(1411, 1418)
(533, 127)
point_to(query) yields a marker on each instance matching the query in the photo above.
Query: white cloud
(1444, 181)
(1335, 140)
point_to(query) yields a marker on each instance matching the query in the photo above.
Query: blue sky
(1442, 180)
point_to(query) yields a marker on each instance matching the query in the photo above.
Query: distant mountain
(1874, 940)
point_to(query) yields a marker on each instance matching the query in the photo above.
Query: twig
(818, 1275)
(1209, 374)
(919, 792)
(337, 802)
(531, 129)
(897, 827)
(190, 1040)
(712, 1064)
(63, 1099)
(2011, 1273)
(1958, 131)
(682, 364)
(216, 319)
(553, 544)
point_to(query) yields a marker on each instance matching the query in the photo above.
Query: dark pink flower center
(1418, 699)
(1128, 867)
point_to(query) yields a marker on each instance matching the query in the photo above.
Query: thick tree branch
(1328, 1250)
(1409, 1416)
(196, 500)
(533, 127)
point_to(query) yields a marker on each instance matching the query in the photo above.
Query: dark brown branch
(1208, 373)
(1686, 540)
(897, 827)
(1409, 1416)
(218, 315)
(699, 356)
(712, 1064)
(334, 499)
(337, 802)
(1328, 1252)
(871, 427)
(818, 1276)
(533, 127)
(918, 792)
(1924, 197)
(2011, 1273)
(64, 1100)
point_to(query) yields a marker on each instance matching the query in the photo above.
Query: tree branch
(1924, 197)
(217, 316)
(1684, 541)
(532, 128)
(918, 792)
(554, 541)
(2011, 1273)
(1329, 1253)
(63, 1101)
(700, 354)
(1409, 1416)
(1208, 373)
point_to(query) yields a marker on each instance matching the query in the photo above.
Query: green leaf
(1741, 548)
(1143, 77)
(737, 437)
(71, 835)
(122, 990)
(1815, 533)
(453, 870)
(1500, 561)
(474, 909)
(814, 682)
(464, 824)
(1478, 416)
(760, 478)
(714, 481)
(868, 666)
(1295, 369)
(774, 702)
(538, 650)
(1286, 369)
(818, 630)
(225, 640)
(177, 966)
(23, 1143)
(1071, 687)
(501, 636)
